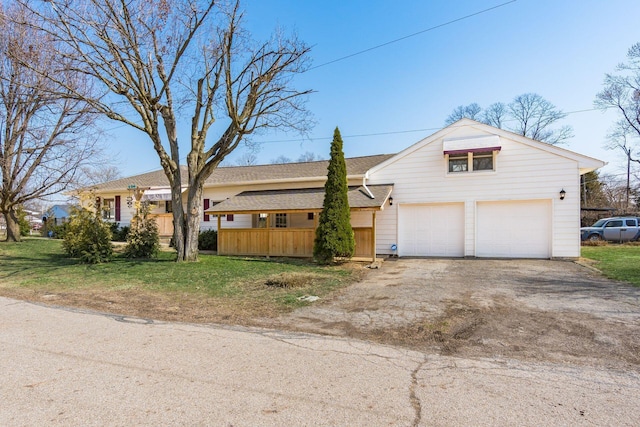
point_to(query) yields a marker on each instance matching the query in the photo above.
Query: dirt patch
(510, 330)
(166, 306)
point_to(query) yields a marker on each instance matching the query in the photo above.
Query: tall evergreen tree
(334, 235)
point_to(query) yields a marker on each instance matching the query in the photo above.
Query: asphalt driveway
(549, 311)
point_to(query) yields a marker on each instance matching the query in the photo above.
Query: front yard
(618, 262)
(215, 289)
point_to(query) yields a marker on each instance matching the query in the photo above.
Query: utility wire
(412, 35)
(432, 129)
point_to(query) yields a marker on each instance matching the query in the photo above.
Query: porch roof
(299, 200)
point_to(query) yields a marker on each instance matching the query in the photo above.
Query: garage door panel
(431, 230)
(519, 229)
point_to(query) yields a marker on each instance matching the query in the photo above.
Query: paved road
(62, 367)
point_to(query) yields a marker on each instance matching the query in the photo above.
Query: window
(458, 162)
(168, 207)
(262, 221)
(616, 223)
(229, 217)
(631, 222)
(310, 216)
(483, 161)
(468, 162)
(108, 209)
(281, 220)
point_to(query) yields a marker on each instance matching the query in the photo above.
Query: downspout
(364, 185)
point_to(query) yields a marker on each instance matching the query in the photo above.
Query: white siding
(522, 172)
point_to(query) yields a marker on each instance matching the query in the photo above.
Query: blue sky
(400, 93)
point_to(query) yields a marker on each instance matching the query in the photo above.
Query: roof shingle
(307, 199)
(249, 174)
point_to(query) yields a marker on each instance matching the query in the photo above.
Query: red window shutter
(117, 208)
(206, 206)
(229, 217)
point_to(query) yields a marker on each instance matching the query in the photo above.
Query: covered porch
(284, 222)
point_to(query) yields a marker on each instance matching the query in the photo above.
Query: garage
(514, 229)
(431, 230)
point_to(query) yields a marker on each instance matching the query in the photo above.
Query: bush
(87, 237)
(25, 227)
(119, 234)
(334, 235)
(208, 240)
(57, 231)
(142, 240)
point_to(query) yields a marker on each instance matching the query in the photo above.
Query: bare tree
(280, 160)
(156, 59)
(622, 93)
(615, 191)
(98, 174)
(471, 111)
(495, 115)
(45, 136)
(528, 114)
(248, 158)
(308, 156)
(534, 118)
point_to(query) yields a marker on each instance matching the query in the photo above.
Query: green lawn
(39, 266)
(619, 262)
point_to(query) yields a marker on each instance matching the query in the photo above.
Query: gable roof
(305, 200)
(585, 163)
(60, 211)
(236, 175)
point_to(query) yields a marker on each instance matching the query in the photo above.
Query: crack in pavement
(413, 397)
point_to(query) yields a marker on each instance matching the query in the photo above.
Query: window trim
(470, 157)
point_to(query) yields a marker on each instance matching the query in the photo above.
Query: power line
(412, 35)
(432, 129)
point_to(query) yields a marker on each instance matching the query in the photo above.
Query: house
(58, 214)
(468, 190)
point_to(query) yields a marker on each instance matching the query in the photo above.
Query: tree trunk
(192, 220)
(13, 226)
(178, 220)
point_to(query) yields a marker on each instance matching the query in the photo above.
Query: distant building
(58, 213)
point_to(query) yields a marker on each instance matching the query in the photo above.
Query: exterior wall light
(390, 201)
(562, 194)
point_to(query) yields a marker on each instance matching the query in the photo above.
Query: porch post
(373, 237)
(220, 251)
(268, 235)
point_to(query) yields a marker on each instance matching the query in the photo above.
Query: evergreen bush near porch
(334, 235)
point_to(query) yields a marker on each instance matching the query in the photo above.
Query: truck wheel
(595, 238)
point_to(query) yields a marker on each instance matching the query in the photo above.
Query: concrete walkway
(64, 367)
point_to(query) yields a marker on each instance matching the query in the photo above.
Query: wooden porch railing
(287, 242)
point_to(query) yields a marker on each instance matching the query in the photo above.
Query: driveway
(534, 310)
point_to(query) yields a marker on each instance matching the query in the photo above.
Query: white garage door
(431, 230)
(514, 229)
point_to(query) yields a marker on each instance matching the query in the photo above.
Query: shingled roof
(250, 174)
(307, 199)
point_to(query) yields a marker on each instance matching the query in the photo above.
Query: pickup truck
(618, 229)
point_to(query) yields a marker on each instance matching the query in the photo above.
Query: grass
(213, 289)
(619, 262)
